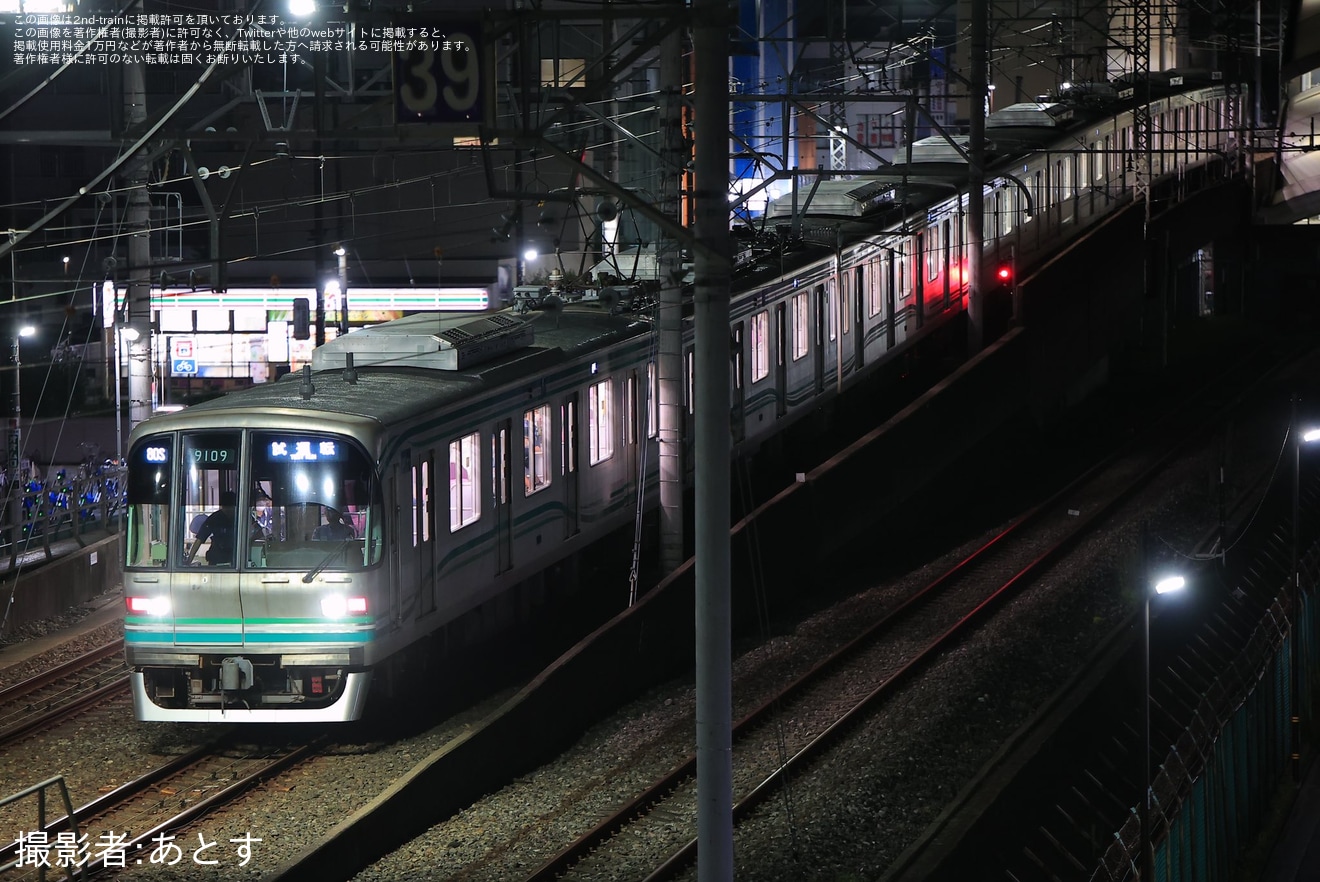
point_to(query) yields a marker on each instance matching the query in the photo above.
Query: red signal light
(1004, 273)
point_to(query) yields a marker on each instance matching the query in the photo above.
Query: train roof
(1051, 115)
(387, 389)
(840, 198)
(936, 149)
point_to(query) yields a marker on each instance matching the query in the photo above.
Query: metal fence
(67, 504)
(1214, 790)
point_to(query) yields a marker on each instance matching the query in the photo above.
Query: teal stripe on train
(235, 638)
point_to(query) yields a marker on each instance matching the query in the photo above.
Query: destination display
(295, 449)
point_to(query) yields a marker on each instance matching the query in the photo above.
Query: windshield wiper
(334, 552)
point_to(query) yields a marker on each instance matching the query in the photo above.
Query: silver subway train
(285, 542)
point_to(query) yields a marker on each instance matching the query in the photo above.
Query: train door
(835, 298)
(211, 540)
(400, 488)
(887, 283)
(919, 277)
(737, 417)
(568, 461)
(415, 578)
(1047, 200)
(1072, 168)
(502, 497)
(1039, 214)
(632, 459)
(1124, 150)
(1081, 181)
(690, 385)
(425, 520)
(960, 252)
(820, 306)
(781, 360)
(945, 247)
(860, 295)
(1058, 193)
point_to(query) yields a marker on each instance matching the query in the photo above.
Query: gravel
(882, 785)
(849, 818)
(66, 650)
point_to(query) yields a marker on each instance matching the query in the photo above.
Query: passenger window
(932, 253)
(690, 379)
(874, 294)
(416, 506)
(630, 414)
(464, 466)
(425, 513)
(568, 438)
(738, 356)
(652, 402)
(760, 346)
(536, 455)
(600, 421)
(801, 325)
(831, 313)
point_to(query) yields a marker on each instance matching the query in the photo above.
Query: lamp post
(15, 431)
(130, 334)
(1300, 436)
(1163, 585)
(342, 253)
(529, 254)
(15, 405)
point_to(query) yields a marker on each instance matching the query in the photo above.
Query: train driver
(337, 528)
(219, 528)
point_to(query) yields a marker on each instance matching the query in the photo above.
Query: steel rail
(636, 808)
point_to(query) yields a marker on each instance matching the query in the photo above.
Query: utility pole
(713, 612)
(138, 219)
(669, 376)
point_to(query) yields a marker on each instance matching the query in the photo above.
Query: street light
(1168, 584)
(342, 254)
(123, 334)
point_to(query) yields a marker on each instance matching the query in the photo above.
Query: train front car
(250, 559)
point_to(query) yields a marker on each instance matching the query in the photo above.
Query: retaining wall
(44, 588)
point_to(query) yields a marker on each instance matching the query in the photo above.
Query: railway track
(910, 637)
(167, 799)
(931, 622)
(47, 698)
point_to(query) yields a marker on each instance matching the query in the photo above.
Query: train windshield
(292, 500)
(147, 493)
(315, 500)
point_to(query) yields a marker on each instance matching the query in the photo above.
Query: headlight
(149, 606)
(336, 606)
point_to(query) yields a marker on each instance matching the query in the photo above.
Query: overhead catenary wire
(124, 157)
(72, 60)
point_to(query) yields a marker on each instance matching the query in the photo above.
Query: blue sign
(183, 366)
